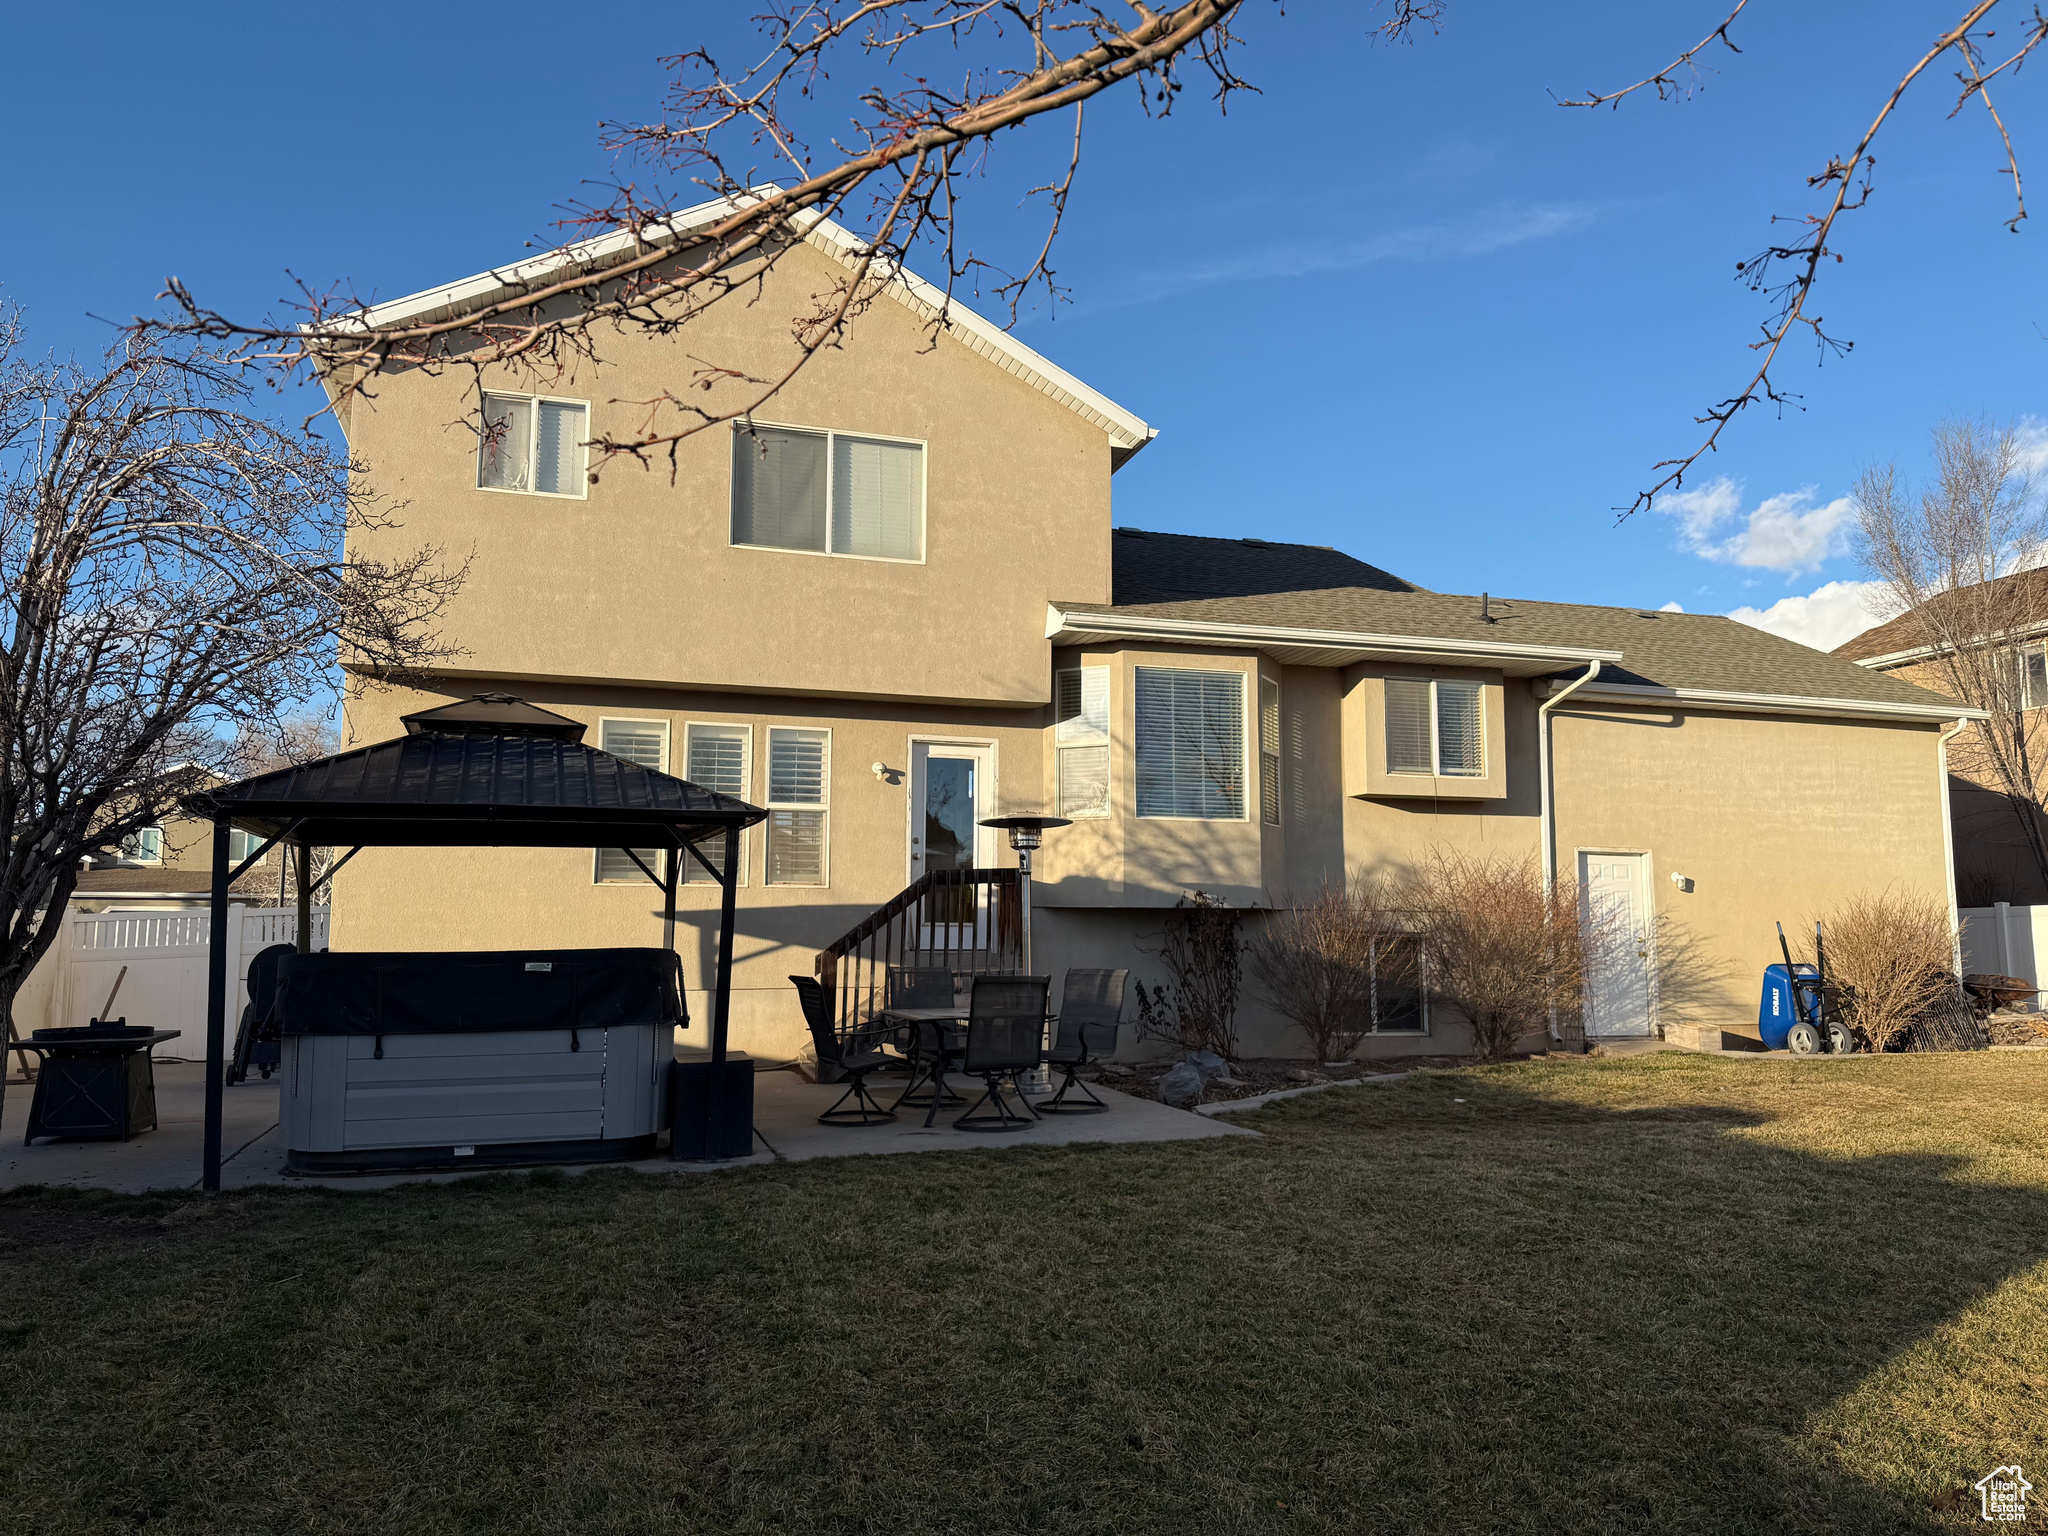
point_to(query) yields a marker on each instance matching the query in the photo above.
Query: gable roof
(1150, 567)
(1904, 639)
(1127, 433)
(1694, 658)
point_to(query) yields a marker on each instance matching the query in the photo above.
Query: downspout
(1948, 841)
(1545, 815)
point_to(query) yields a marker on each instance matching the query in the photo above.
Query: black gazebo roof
(484, 772)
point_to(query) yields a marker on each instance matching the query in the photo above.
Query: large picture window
(1190, 744)
(1081, 741)
(534, 445)
(1436, 727)
(638, 741)
(718, 757)
(799, 806)
(829, 493)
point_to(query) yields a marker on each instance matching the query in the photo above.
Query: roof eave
(1733, 701)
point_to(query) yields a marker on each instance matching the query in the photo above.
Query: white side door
(952, 787)
(1615, 890)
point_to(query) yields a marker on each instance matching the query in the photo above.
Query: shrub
(1197, 1009)
(1890, 954)
(1316, 961)
(1495, 946)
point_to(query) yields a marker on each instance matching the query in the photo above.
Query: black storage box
(708, 1125)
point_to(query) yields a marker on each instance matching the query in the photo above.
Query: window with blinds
(535, 445)
(1081, 740)
(1269, 752)
(1190, 743)
(1436, 727)
(799, 796)
(718, 757)
(830, 493)
(638, 741)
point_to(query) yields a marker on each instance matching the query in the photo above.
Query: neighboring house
(1994, 856)
(903, 607)
(170, 865)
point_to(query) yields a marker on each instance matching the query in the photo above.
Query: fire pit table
(98, 1081)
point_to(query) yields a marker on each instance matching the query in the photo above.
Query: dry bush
(1495, 946)
(1890, 953)
(1197, 1009)
(1317, 959)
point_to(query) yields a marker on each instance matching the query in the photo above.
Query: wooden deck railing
(961, 920)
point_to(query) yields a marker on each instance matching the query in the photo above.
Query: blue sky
(1400, 303)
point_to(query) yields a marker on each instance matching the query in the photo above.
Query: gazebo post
(305, 931)
(669, 872)
(216, 1004)
(721, 999)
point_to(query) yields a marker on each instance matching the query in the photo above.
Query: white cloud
(2032, 433)
(1824, 618)
(1781, 533)
(1674, 606)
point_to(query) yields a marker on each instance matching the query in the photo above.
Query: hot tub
(463, 1059)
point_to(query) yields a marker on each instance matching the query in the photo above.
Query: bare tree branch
(1666, 81)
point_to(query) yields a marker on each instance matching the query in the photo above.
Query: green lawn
(1666, 1293)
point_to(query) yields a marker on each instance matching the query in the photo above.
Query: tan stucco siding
(638, 581)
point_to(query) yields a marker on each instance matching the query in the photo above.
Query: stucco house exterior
(902, 605)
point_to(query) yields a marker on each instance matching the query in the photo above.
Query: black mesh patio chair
(931, 1045)
(257, 1043)
(1090, 1006)
(1005, 1036)
(852, 1055)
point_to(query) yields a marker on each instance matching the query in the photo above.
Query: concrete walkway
(785, 1124)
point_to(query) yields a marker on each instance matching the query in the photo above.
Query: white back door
(1615, 890)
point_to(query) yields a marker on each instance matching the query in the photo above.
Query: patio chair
(1005, 1036)
(1090, 1006)
(915, 987)
(847, 1053)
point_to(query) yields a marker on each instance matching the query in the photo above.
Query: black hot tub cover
(460, 992)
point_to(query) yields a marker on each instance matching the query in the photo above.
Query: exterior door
(951, 788)
(1615, 890)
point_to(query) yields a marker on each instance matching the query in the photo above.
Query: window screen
(1408, 739)
(1190, 743)
(799, 787)
(507, 444)
(1460, 736)
(638, 741)
(1081, 740)
(716, 757)
(877, 498)
(1269, 752)
(778, 488)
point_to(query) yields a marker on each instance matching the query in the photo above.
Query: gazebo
(488, 771)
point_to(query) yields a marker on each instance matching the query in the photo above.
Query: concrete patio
(785, 1128)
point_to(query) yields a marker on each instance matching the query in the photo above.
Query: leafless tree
(172, 581)
(1204, 955)
(1958, 559)
(1500, 949)
(1321, 958)
(299, 738)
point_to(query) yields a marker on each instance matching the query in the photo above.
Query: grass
(1666, 1293)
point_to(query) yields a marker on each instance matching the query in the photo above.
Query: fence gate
(165, 955)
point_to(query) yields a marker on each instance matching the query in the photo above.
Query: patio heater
(1026, 832)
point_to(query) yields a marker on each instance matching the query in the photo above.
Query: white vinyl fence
(2005, 940)
(165, 955)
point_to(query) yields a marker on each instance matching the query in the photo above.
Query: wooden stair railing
(962, 920)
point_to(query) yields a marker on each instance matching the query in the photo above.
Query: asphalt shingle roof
(1174, 567)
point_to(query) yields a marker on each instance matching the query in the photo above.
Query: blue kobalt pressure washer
(1798, 1012)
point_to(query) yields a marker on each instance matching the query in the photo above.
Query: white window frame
(1436, 748)
(582, 491)
(1086, 744)
(924, 498)
(597, 854)
(1247, 785)
(746, 793)
(2027, 653)
(824, 806)
(250, 843)
(140, 858)
(1270, 774)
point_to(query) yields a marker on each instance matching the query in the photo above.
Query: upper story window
(241, 844)
(2034, 685)
(1436, 727)
(1081, 741)
(1269, 752)
(145, 845)
(828, 493)
(719, 757)
(638, 741)
(531, 444)
(1190, 730)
